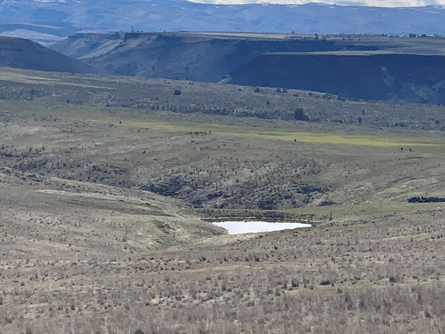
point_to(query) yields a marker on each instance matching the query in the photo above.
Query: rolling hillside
(22, 53)
(366, 67)
(189, 56)
(87, 248)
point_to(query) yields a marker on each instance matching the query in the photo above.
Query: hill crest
(26, 54)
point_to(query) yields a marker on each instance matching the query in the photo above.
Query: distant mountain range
(48, 21)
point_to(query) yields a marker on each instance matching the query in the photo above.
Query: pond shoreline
(255, 219)
(244, 226)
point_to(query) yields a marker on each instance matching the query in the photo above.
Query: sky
(379, 3)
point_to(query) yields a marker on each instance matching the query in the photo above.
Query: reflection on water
(239, 227)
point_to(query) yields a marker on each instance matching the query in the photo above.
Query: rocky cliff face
(183, 56)
(415, 78)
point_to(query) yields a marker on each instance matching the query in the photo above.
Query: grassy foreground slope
(85, 249)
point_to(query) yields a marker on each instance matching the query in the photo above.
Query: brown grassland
(87, 247)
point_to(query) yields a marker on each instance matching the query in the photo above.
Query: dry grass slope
(84, 249)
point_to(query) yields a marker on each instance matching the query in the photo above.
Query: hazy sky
(380, 3)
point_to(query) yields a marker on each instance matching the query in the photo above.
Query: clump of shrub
(327, 203)
(299, 115)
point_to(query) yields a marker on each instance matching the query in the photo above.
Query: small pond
(240, 227)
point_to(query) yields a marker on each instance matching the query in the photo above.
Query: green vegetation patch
(381, 140)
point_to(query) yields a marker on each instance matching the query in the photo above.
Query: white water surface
(240, 227)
